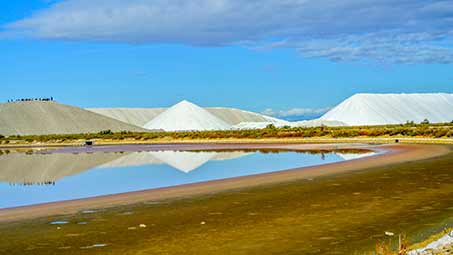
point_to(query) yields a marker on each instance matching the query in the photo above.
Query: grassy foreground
(434, 133)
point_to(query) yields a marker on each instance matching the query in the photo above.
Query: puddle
(59, 222)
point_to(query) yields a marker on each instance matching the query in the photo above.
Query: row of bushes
(406, 130)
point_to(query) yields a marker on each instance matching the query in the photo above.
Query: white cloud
(402, 31)
(295, 112)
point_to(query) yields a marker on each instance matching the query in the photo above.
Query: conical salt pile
(186, 116)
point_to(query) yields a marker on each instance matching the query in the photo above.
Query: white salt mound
(381, 109)
(186, 116)
(234, 116)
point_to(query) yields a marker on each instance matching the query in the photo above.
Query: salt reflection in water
(38, 178)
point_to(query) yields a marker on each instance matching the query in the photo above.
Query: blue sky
(284, 55)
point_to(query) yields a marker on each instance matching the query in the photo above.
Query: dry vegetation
(409, 130)
(386, 247)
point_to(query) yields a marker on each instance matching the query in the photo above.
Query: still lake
(35, 177)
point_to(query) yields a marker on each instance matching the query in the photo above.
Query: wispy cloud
(396, 31)
(380, 47)
(295, 112)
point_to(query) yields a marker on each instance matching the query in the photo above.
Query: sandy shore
(314, 140)
(389, 154)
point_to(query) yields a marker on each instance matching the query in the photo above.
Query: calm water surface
(346, 214)
(48, 176)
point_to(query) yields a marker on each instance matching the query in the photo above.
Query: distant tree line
(30, 99)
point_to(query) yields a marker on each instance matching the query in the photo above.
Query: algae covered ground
(342, 214)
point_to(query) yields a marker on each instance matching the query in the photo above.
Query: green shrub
(270, 126)
(425, 122)
(106, 132)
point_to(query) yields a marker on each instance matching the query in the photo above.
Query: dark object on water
(397, 140)
(89, 143)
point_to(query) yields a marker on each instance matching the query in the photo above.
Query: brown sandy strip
(394, 154)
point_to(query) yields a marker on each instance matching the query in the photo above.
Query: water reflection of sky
(107, 173)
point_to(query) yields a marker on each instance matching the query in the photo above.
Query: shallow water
(58, 175)
(341, 214)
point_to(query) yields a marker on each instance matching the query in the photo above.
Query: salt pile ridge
(135, 116)
(186, 116)
(381, 109)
